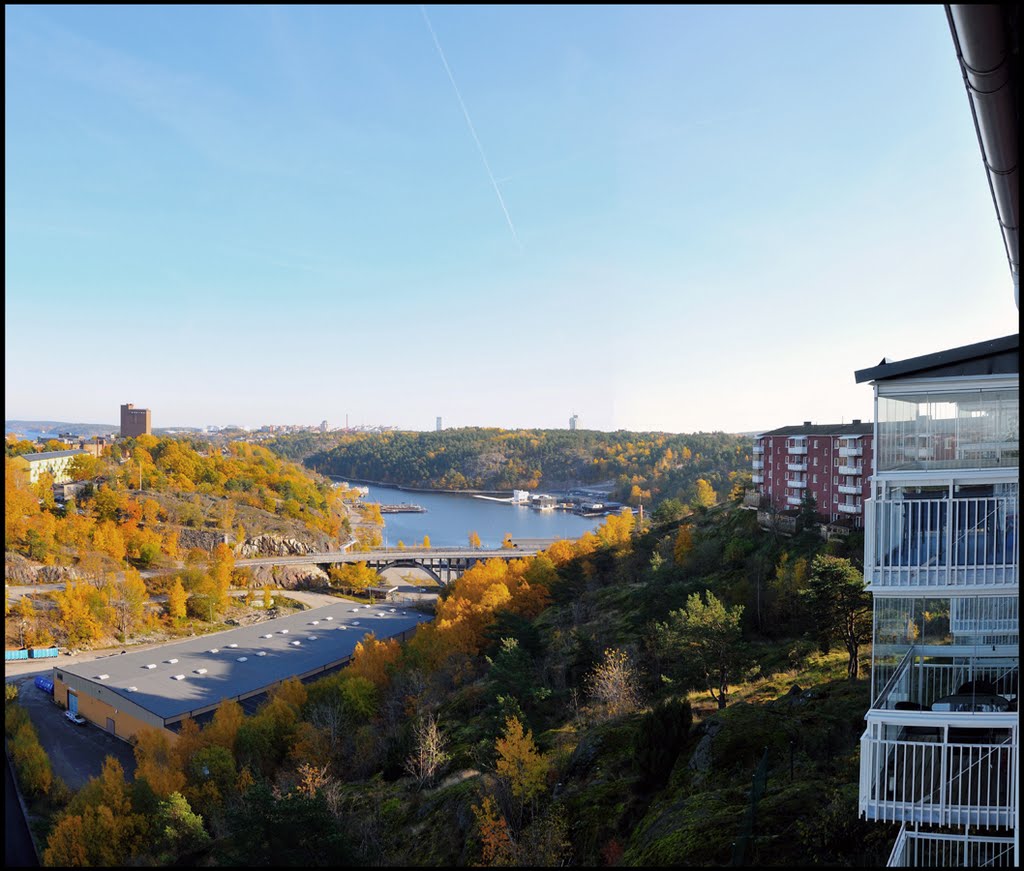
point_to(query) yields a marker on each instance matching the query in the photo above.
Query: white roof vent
(200, 671)
(311, 637)
(283, 632)
(132, 689)
(296, 643)
(261, 653)
(214, 650)
(102, 676)
(232, 645)
(343, 627)
(243, 659)
(151, 665)
(355, 610)
(328, 618)
(178, 677)
(171, 661)
(314, 623)
(268, 635)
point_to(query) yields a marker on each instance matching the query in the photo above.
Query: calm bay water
(450, 517)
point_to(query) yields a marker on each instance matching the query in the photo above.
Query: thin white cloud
(472, 129)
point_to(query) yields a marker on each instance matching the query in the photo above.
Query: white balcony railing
(915, 849)
(758, 464)
(940, 768)
(942, 542)
(756, 478)
(758, 449)
(794, 500)
(851, 451)
(795, 483)
(796, 450)
(843, 508)
(796, 467)
(851, 489)
(850, 470)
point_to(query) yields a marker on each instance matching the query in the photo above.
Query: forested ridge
(642, 466)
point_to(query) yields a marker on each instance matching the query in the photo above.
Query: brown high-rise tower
(134, 421)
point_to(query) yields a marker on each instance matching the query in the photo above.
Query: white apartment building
(57, 463)
(941, 751)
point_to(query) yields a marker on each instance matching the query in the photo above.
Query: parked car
(77, 719)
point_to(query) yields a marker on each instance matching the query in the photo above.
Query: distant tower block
(572, 421)
(323, 426)
(439, 427)
(134, 421)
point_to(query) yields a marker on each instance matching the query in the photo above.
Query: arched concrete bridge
(442, 564)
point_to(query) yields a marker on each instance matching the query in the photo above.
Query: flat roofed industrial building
(162, 686)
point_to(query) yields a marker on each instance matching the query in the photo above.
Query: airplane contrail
(472, 129)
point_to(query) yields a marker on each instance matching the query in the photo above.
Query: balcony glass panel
(927, 620)
(957, 430)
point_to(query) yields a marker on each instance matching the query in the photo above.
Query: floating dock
(403, 508)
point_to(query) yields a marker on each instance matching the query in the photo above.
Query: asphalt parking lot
(76, 752)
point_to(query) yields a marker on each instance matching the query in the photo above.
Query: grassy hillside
(548, 716)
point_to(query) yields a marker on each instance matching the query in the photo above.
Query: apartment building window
(835, 499)
(815, 443)
(815, 461)
(815, 481)
(835, 479)
(835, 462)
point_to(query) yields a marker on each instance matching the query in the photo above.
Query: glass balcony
(796, 483)
(758, 449)
(850, 470)
(933, 768)
(794, 500)
(796, 450)
(973, 429)
(843, 508)
(851, 489)
(851, 451)
(940, 746)
(758, 464)
(796, 467)
(942, 541)
(756, 478)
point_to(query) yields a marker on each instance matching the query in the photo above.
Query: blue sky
(280, 215)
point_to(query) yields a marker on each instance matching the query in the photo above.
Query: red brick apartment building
(832, 462)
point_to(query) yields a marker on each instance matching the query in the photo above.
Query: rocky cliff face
(271, 545)
(200, 538)
(290, 577)
(20, 570)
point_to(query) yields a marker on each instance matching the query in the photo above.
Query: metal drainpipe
(981, 41)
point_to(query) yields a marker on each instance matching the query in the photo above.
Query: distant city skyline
(668, 219)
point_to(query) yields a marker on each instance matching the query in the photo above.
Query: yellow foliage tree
(705, 496)
(375, 660)
(156, 763)
(177, 600)
(683, 544)
(474, 539)
(520, 764)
